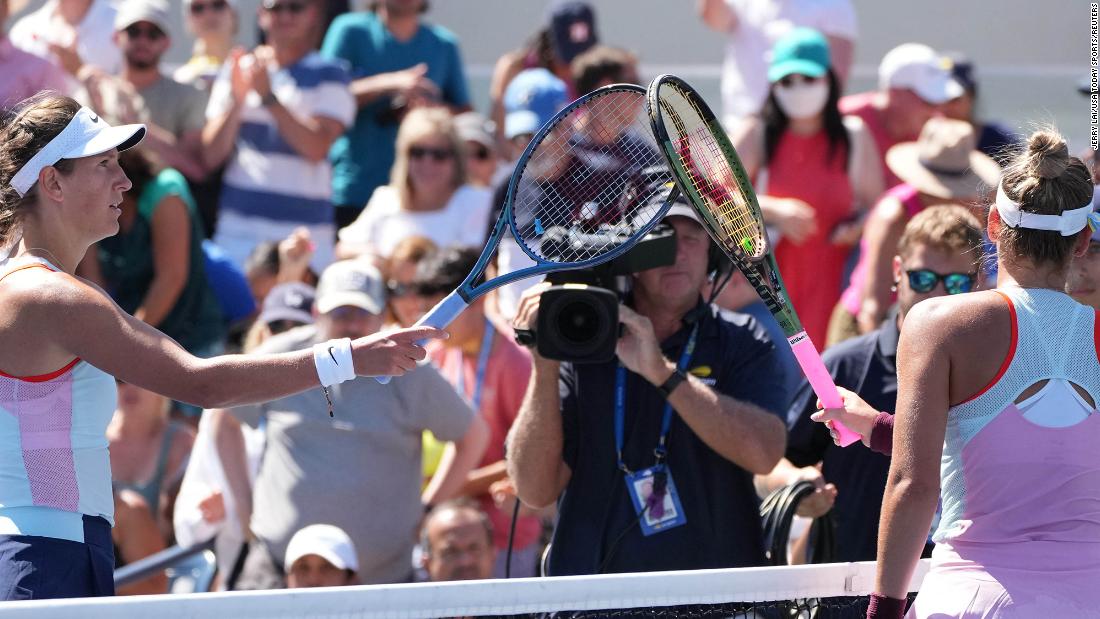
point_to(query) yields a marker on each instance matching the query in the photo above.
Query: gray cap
(351, 282)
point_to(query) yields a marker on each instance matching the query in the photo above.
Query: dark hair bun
(1047, 154)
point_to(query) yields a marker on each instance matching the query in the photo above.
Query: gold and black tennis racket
(709, 173)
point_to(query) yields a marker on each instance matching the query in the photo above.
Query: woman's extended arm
(79, 320)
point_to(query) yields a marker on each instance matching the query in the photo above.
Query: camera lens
(580, 322)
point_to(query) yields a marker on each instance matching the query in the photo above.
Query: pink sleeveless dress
(1020, 482)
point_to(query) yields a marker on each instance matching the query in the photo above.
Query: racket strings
(711, 175)
(594, 178)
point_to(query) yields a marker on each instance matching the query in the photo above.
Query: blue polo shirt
(362, 157)
(597, 529)
(866, 365)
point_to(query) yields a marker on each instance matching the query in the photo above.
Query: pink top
(23, 74)
(506, 375)
(54, 464)
(862, 104)
(852, 297)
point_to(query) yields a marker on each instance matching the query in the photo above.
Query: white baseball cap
(85, 135)
(131, 12)
(326, 541)
(919, 68)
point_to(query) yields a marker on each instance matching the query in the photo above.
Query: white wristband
(333, 361)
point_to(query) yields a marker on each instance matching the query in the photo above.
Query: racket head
(709, 172)
(706, 166)
(591, 182)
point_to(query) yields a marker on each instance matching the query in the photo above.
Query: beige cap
(944, 161)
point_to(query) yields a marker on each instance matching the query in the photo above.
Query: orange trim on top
(40, 378)
(1096, 333)
(27, 266)
(1011, 351)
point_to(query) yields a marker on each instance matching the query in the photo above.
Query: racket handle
(821, 382)
(439, 317)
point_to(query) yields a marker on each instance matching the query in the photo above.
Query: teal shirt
(126, 260)
(362, 157)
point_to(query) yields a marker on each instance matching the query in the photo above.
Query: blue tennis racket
(591, 183)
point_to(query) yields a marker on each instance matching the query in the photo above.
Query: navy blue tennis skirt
(35, 568)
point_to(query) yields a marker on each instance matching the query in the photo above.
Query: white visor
(1067, 223)
(85, 135)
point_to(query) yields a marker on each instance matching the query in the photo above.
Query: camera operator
(652, 457)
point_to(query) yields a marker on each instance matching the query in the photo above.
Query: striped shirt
(266, 177)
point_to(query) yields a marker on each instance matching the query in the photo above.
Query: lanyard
(482, 364)
(666, 422)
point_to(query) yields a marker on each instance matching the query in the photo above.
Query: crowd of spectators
(334, 180)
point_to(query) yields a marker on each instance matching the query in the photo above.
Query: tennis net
(805, 591)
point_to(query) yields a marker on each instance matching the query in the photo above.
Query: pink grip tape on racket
(821, 382)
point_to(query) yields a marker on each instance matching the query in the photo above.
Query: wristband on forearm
(334, 365)
(883, 607)
(882, 434)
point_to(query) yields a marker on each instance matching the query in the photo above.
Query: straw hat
(944, 162)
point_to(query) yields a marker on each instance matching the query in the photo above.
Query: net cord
(486, 597)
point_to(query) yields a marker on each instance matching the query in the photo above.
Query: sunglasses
(795, 78)
(214, 7)
(924, 280)
(480, 152)
(293, 8)
(400, 289)
(438, 154)
(152, 33)
(279, 326)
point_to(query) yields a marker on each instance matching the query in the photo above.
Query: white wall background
(1029, 54)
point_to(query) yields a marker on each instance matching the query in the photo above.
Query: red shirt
(802, 168)
(507, 372)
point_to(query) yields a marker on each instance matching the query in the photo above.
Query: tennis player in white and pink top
(63, 342)
(997, 408)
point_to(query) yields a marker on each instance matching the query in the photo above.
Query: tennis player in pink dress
(997, 410)
(63, 342)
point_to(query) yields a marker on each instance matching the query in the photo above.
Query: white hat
(351, 282)
(919, 68)
(473, 127)
(326, 541)
(679, 208)
(131, 12)
(85, 135)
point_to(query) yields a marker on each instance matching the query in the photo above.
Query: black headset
(718, 264)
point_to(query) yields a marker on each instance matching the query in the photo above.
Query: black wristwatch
(666, 388)
(269, 99)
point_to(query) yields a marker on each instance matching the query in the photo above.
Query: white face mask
(802, 100)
